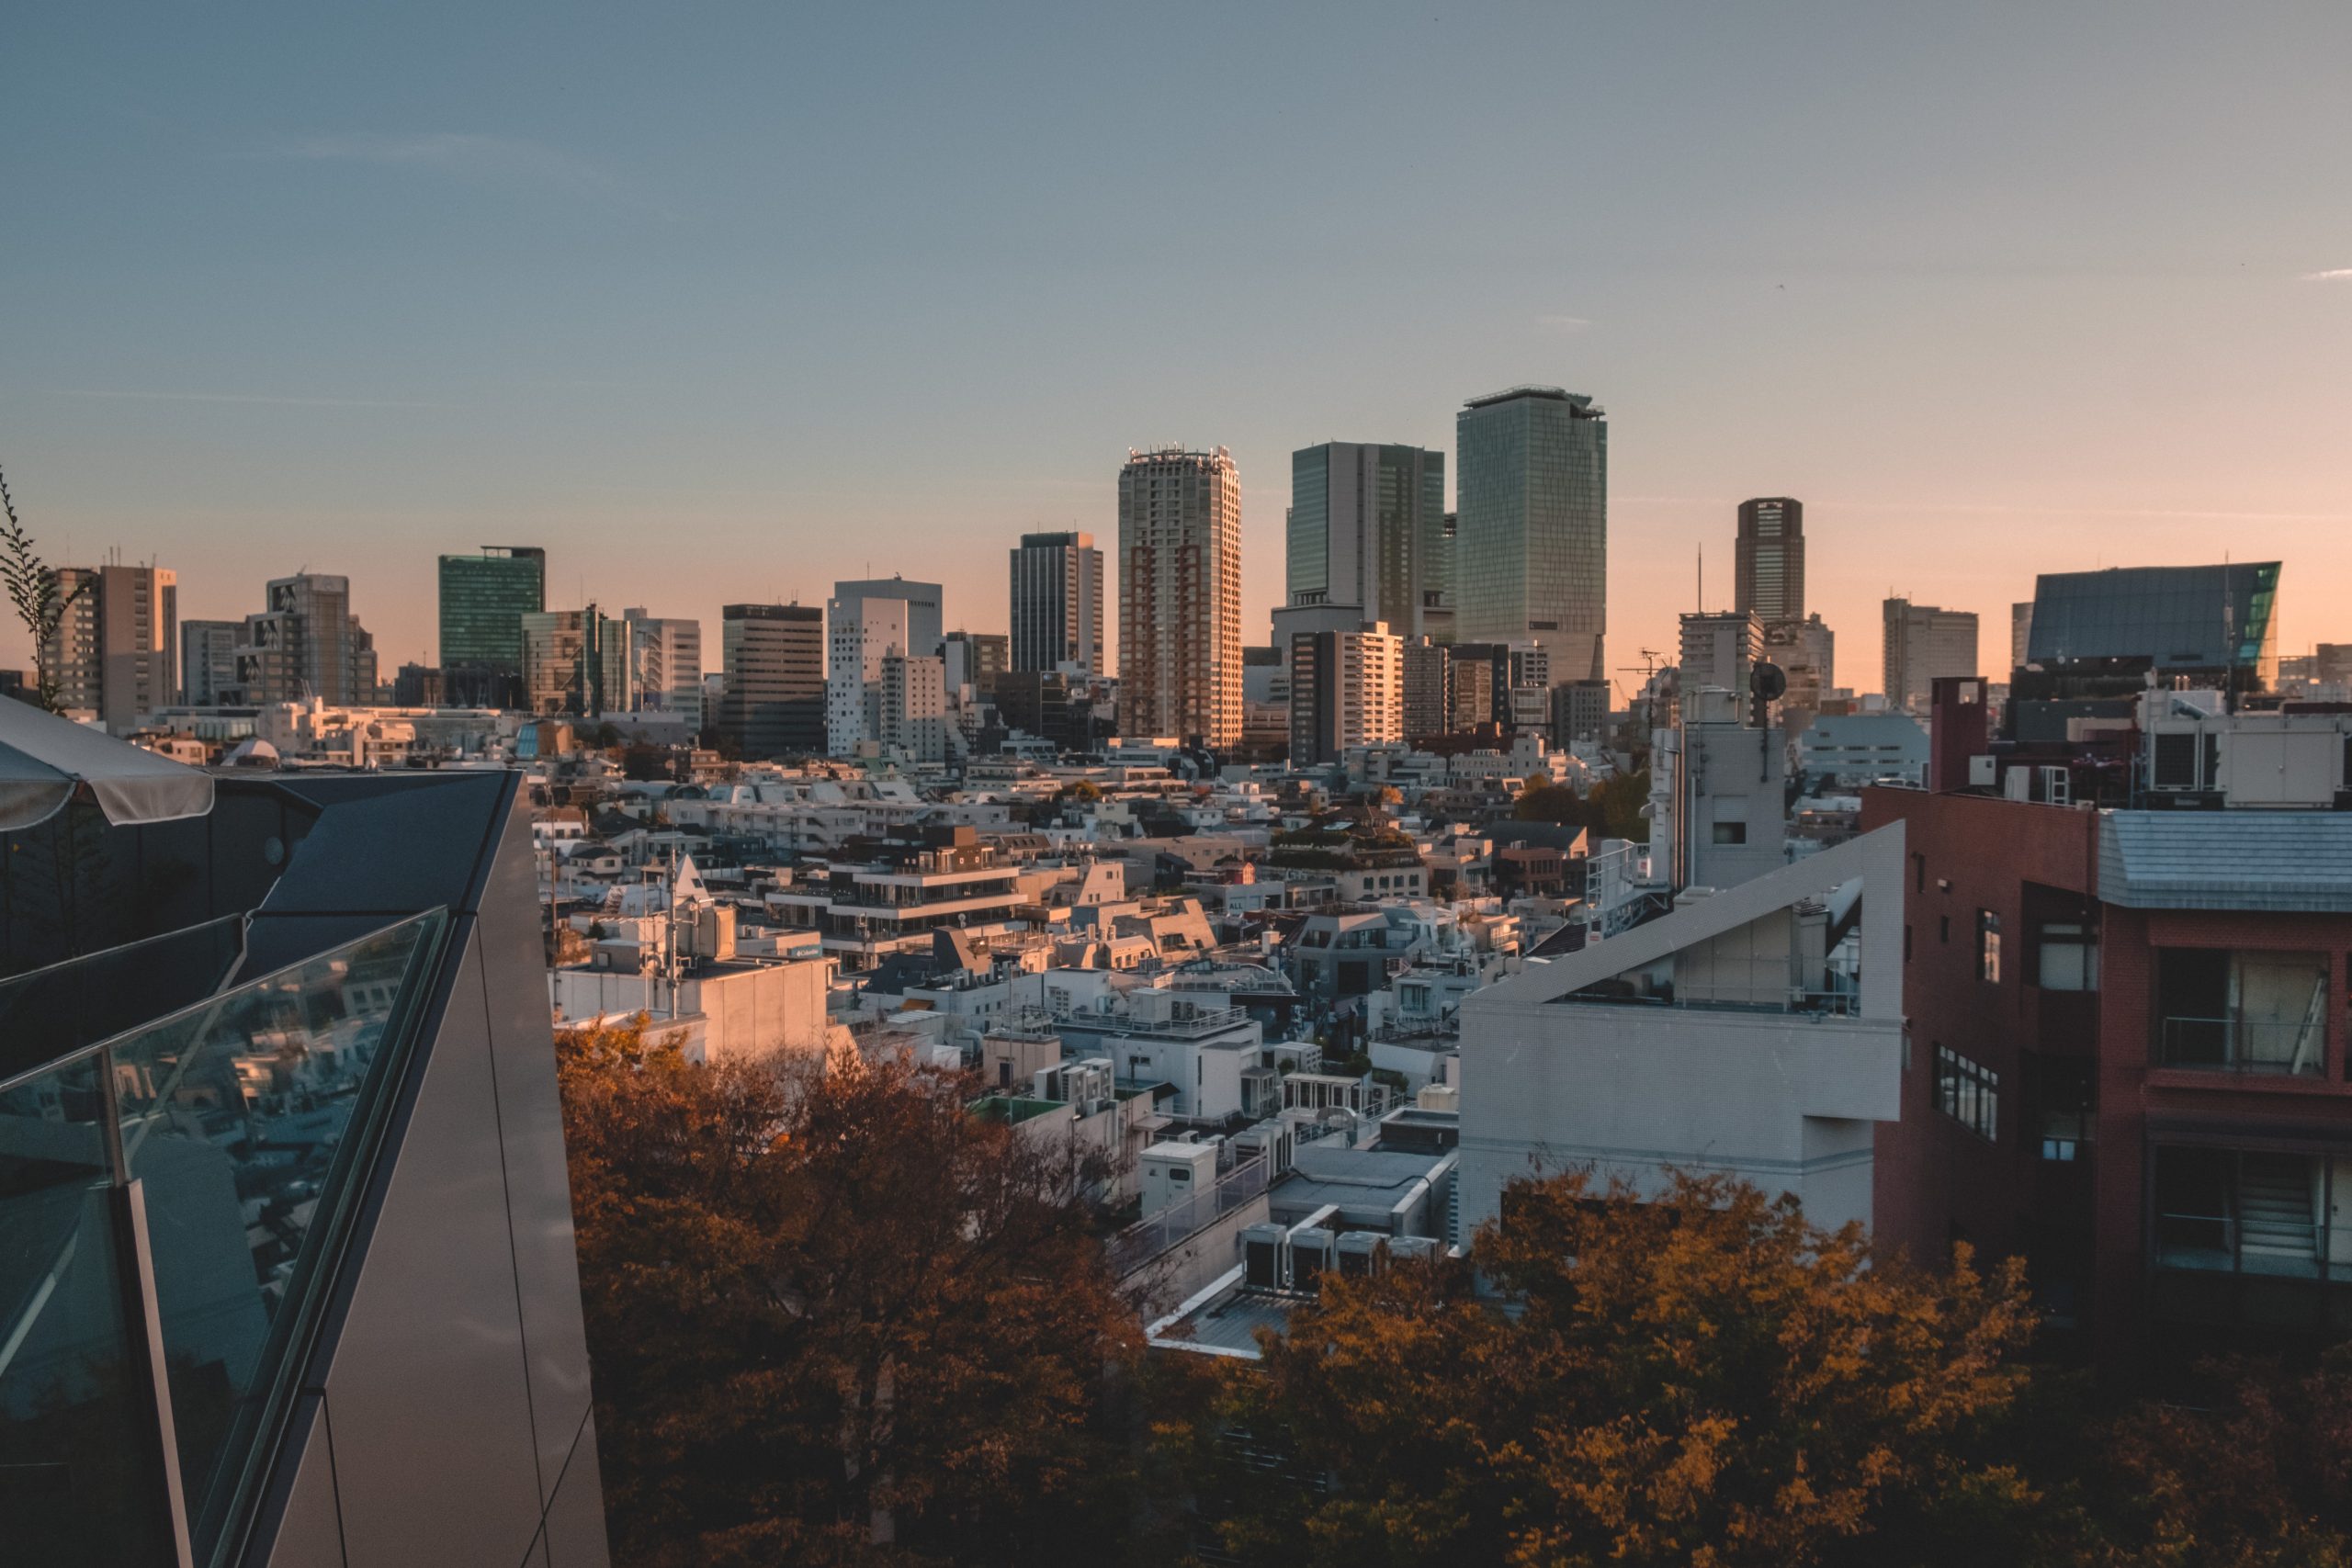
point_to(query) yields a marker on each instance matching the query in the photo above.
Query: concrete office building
(321, 1189)
(773, 663)
(483, 600)
(860, 632)
(1579, 712)
(1057, 602)
(1768, 564)
(1922, 645)
(1180, 595)
(207, 660)
(116, 651)
(665, 665)
(1531, 549)
(1720, 651)
(307, 644)
(926, 624)
(1366, 532)
(1347, 689)
(976, 658)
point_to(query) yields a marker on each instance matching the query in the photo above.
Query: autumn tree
(1703, 1378)
(2257, 1470)
(834, 1317)
(38, 593)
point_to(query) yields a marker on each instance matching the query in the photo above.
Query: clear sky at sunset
(726, 303)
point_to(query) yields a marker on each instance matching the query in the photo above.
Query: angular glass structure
(2172, 619)
(285, 1264)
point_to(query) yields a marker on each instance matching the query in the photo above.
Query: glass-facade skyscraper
(483, 600)
(1367, 529)
(1531, 549)
(1769, 566)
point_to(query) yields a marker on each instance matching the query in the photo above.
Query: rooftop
(2294, 862)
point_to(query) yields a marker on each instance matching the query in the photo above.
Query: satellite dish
(1769, 682)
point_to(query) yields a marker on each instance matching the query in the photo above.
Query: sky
(720, 303)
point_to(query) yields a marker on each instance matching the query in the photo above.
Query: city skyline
(336, 303)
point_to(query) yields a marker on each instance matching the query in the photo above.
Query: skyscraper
(1922, 644)
(116, 649)
(774, 656)
(1180, 595)
(1531, 549)
(576, 662)
(483, 600)
(1770, 571)
(1057, 602)
(1366, 530)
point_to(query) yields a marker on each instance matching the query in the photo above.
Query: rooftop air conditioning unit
(1360, 1252)
(1265, 1257)
(1415, 1248)
(1313, 1253)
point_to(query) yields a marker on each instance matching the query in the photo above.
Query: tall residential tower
(1770, 571)
(1180, 595)
(1531, 549)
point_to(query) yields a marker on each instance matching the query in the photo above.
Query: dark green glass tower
(483, 600)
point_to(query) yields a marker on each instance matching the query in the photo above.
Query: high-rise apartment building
(483, 600)
(1366, 530)
(774, 661)
(1720, 651)
(1180, 595)
(1924, 643)
(910, 718)
(307, 644)
(1579, 711)
(860, 633)
(1347, 689)
(576, 662)
(116, 651)
(1057, 602)
(1769, 572)
(665, 665)
(1423, 665)
(207, 660)
(1531, 549)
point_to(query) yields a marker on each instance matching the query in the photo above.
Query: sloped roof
(2294, 861)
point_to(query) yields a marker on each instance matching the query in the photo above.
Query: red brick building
(2128, 1063)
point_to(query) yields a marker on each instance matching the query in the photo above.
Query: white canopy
(43, 758)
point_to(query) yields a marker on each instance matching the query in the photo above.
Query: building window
(2067, 957)
(1989, 947)
(1968, 1093)
(1731, 833)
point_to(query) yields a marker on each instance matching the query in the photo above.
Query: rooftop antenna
(1703, 578)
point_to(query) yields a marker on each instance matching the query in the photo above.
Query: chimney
(1957, 730)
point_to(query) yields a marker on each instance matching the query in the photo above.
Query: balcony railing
(2240, 1045)
(1145, 1239)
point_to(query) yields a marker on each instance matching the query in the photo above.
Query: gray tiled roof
(2288, 861)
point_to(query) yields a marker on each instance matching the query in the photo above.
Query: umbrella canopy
(43, 759)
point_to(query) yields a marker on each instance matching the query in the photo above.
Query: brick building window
(2067, 956)
(1989, 947)
(1969, 1092)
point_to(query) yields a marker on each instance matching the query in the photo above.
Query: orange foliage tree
(834, 1317)
(1704, 1379)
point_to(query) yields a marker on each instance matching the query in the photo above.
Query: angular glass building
(1531, 549)
(285, 1251)
(2201, 621)
(483, 600)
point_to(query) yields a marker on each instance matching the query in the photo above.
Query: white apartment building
(911, 708)
(860, 632)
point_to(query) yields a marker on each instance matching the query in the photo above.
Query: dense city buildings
(1366, 533)
(1921, 645)
(976, 658)
(1057, 602)
(1180, 595)
(911, 708)
(861, 631)
(1531, 549)
(1769, 566)
(483, 599)
(773, 658)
